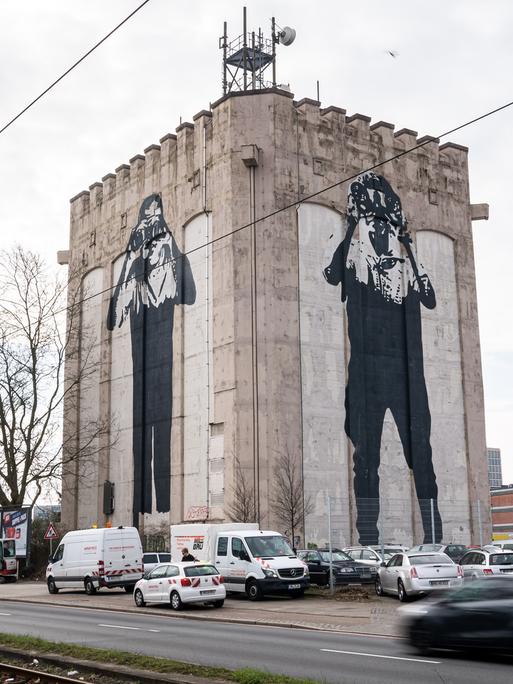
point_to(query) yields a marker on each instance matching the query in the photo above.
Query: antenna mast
(246, 58)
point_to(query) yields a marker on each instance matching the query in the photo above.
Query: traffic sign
(50, 532)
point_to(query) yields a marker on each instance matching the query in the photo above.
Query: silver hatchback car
(412, 574)
(484, 563)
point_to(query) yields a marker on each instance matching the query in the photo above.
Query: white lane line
(375, 655)
(137, 629)
(5, 613)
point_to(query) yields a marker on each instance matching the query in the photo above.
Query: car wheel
(378, 587)
(401, 592)
(52, 587)
(89, 587)
(139, 599)
(253, 591)
(129, 588)
(176, 601)
(218, 604)
(420, 639)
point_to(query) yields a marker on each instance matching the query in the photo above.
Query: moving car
(252, 561)
(454, 551)
(371, 555)
(478, 563)
(476, 615)
(94, 558)
(345, 569)
(151, 559)
(411, 574)
(179, 583)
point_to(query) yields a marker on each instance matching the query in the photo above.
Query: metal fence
(403, 521)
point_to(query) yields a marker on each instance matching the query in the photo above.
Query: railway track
(13, 674)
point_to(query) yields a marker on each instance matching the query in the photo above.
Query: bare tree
(34, 340)
(243, 506)
(288, 502)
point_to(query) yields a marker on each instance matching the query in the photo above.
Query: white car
(483, 563)
(179, 583)
(408, 574)
(371, 555)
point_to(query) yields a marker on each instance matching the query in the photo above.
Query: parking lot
(370, 616)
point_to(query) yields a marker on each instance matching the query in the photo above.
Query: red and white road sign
(50, 532)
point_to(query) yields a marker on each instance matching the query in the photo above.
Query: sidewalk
(372, 616)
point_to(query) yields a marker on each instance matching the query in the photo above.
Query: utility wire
(294, 204)
(31, 104)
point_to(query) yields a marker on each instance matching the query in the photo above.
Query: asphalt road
(324, 656)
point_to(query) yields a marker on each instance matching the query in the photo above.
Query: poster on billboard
(15, 525)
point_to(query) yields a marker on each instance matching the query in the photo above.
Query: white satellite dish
(287, 35)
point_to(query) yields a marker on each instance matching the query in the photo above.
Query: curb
(202, 618)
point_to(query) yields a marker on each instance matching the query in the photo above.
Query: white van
(98, 557)
(250, 560)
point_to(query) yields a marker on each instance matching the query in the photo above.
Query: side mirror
(244, 556)
(146, 575)
(50, 559)
(382, 564)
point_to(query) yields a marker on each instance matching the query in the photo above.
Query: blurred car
(476, 615)
(478, 563)
(179, 583)
(370, 555)
(411, 574)
(345, 569)
(152, 559)
(454, 551)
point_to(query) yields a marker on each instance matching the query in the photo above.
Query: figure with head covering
(383, 287)
(154, 278)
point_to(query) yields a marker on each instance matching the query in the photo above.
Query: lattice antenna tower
(247, 57)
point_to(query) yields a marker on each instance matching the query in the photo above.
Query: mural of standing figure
(383, 286)
(154, 278)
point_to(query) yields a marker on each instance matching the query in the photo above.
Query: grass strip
(143, 662)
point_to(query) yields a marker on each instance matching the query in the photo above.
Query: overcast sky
(454, 62)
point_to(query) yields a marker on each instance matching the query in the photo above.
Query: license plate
(294, 586)
(439, 583)
(207, 591)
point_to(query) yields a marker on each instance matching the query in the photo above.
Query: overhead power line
(298, 202)
(73, 66)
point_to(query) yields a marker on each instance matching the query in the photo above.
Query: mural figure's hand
(137, 237)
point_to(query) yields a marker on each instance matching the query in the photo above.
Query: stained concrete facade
(260, 357)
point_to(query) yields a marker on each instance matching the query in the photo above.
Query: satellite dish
(287, 35)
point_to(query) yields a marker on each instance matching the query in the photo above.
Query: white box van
(98, 557)
(253, 561)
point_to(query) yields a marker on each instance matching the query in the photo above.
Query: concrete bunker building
(221, 341)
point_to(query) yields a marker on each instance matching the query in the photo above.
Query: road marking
(375, 655)
(5, 613)
(138, 629)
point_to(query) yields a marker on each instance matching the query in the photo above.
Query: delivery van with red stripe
(8, 564)
(95, 558)
(251, 561)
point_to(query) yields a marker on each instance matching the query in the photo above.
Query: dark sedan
(478, 615)
(345, 569)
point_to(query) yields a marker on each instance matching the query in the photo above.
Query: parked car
(478, 563)
(345, 569)
(372, 555)
(152, 559)
(476, 615)
(504, 545)
(454, 551)
(412, 574)
(179, 583)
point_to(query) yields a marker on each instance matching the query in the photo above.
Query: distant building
(494, 467)
(502, 512)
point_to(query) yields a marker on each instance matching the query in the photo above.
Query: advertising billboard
(15, 526)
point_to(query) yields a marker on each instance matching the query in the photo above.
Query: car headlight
(270, 573)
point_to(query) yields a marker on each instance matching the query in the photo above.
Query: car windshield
(388, 553)
(501, 559)
(270, 547)
(455, 549)
(337, 556)
(9, 549)
(197, 570)
(431, 559)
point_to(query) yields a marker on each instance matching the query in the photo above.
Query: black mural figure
(383, 287)
(155, 277)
